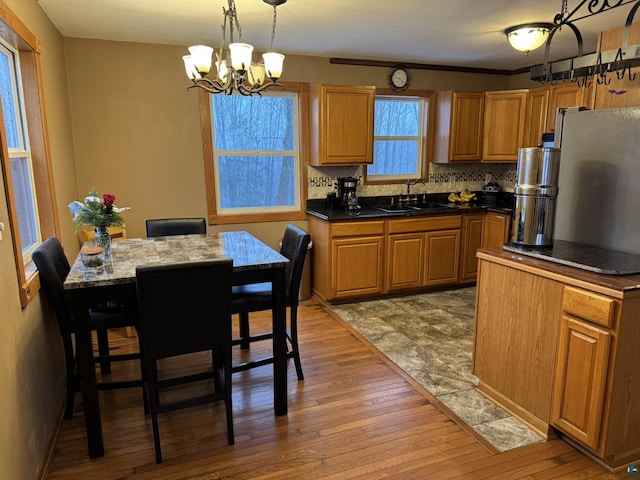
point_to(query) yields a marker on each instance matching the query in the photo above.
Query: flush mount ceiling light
(528, 36)
(234, 68)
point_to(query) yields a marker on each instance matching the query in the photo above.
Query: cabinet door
(504, 118)
(565, 96)
(580, 379)
(536, 119)
(405, 260)
(471, 241)
(442, 253)
(609, 95)
(496, 229)
(344, 124)
(459, 126)
(357, 266)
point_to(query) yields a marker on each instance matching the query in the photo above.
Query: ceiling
(463, 33)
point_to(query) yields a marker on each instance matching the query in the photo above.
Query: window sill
(31, 286)
(256, 218)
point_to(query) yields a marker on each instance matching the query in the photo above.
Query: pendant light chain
(273, 29)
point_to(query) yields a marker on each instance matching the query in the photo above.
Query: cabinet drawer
(589, 306)
(425, 224)
(349, 229)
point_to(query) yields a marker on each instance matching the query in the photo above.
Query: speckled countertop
(248, 253)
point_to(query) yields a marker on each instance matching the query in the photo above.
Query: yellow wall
(136, 128)
(31, 362)
(120, 119)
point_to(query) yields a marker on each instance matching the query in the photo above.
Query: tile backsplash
(441, 178)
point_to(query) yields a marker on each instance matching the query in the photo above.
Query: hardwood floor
(354, 416)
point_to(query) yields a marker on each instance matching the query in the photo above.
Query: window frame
(216, 218)
(20, 38)
(426, 147)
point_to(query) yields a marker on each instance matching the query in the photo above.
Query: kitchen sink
(431, 206)
(400, 208)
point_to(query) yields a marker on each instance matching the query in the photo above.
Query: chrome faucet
(415, 182)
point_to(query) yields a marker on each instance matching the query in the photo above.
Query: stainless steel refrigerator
(598, 199)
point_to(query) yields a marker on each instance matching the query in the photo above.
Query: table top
(247, 252)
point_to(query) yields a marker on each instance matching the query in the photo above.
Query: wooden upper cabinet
(342, 125)
(459, 117)
(536, 122)
(604, 98)
(504, 125)
(564, 96)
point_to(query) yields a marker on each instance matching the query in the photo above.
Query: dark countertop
(586, 257)
(319, 208)
(627, 285)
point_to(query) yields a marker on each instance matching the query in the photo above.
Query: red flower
(108, 200)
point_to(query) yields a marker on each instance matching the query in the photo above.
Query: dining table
(253, 262)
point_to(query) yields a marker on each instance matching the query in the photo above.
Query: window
(257, 156)
(18, 150)
(24, 149)
(400, 141)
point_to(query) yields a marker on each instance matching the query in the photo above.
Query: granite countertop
(367, 211)
(586, 257)
(248, 253)
(625, 284)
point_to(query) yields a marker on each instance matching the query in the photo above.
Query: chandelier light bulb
(256, 74)
(241, 56)
(190, 67)
(201, 56)
(273, 63)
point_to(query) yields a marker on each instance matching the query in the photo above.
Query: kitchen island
(558, 347)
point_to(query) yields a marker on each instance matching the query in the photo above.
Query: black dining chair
(186, 308)
(160, 227)
(53, 268)
(258, 297)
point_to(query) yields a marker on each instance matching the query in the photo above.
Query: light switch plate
(1, 229)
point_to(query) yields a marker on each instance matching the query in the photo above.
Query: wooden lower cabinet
(581, 373)
(422, 252)
(405, 261)
(442, 256)
(496, 229)
(472, 225)
(357, 266)
(558, 346)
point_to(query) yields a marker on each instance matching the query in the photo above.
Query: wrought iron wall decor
(599, 65)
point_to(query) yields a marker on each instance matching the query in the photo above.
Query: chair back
(184, 308)
(160, 227)
(53, 268)
(294, 246)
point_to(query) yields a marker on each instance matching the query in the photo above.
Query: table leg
(87, 371)
(279, 316)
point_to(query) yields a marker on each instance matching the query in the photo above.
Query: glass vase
(103, 239)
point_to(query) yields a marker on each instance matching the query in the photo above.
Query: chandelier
(234, 67)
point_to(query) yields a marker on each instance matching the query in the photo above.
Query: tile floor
(430, 336)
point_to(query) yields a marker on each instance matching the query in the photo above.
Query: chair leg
(71, 377)
(227, 395)
(152, 394)
(244, 330)
(294, 341)
(103, 350)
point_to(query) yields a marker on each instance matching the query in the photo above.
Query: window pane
(8, 95)
(397, 118)
(25, 203)
(253, 123)
(256, 181)
(394, 157)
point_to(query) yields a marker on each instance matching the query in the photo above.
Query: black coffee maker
(347, 192)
